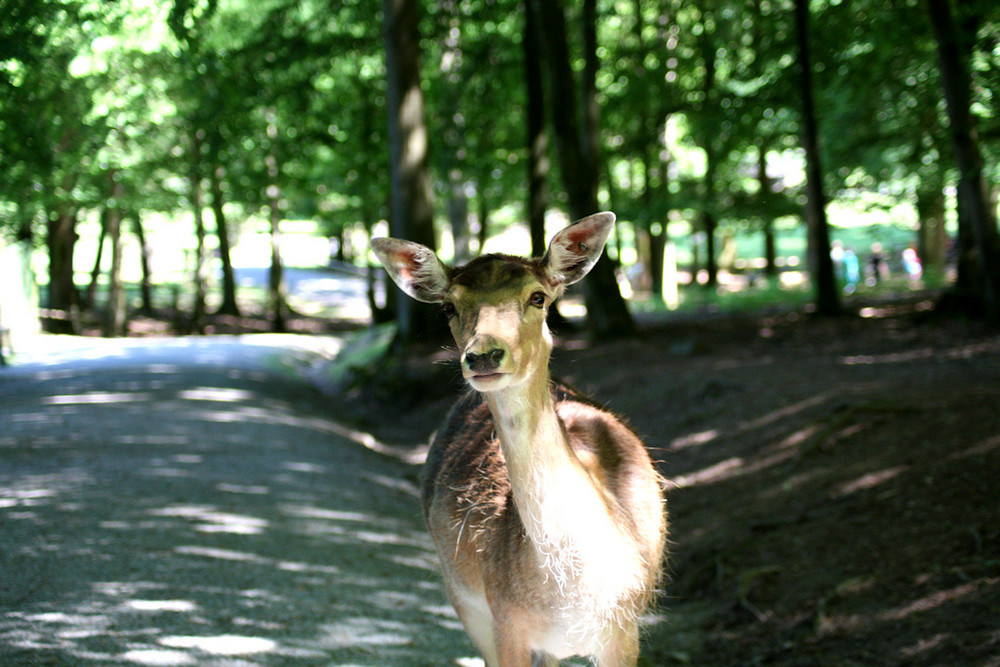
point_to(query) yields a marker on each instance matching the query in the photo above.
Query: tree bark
(277, 303)
(820, 264)
(229, 305)
(590, 135)
(539, 165)
(200, 263)
(538, 138)
(659, 241)
(276, 298)
(114, 313)
(458, 217)
(932, 238)
(484, 220)
(976, 222)
(61, 241)
(146, 286)
(764, 181)
(410, 209)
(607, 314)
(95, 273)
(708, 220)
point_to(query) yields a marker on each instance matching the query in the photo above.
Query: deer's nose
(486, 361)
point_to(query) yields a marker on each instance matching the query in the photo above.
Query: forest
(693, 121)
(830, 458)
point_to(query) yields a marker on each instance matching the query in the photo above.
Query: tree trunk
(607, 314)
(385, 312)
(764, 181)
(95, 273)
(61, 241)
(146, 286)
(410, 209)
(590, 135)
(709, 225)
(458, 217)
(200, 261)
(229, 305)
(114, 313)
(976, 222)
(538, 139)
(657, 255)
(932, 239)
(820, 264)
(277, 303)
(660, 239)
(708, 220)
(578, 178)
(484, 219)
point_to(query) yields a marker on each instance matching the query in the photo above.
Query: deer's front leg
(510, 632)
(479, 626)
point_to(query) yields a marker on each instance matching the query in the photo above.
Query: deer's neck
(556, 496)
(531, 435)
(566, 512)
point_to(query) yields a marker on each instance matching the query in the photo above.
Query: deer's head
(496, 304)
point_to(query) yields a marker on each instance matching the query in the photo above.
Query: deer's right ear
(414, 267)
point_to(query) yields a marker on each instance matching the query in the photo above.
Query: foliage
(287, 101)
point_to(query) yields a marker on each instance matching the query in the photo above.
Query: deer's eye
(537, 299)
(448, 308)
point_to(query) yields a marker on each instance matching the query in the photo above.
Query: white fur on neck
(569, 521)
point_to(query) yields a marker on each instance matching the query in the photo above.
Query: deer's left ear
(414, 267)
(574, 251)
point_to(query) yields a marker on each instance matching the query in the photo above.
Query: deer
(546, 510)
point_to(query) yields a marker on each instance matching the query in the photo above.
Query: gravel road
(191, 502)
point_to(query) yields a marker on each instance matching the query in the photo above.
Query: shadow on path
(190, 503)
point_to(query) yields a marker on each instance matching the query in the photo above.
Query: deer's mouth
(488, 381)
(487, 376)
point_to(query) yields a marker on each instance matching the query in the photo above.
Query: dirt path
(172, 502)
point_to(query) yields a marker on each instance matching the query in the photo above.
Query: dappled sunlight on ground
(156, 512)
(832, 486)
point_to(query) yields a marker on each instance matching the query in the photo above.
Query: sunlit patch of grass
(762, 294)
(698, 299)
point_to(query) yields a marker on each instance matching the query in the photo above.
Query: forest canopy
(689, 119)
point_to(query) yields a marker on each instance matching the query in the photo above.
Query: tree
(189, 23)
(114, 315)
(820, 264)
(642, 43)
(537, 137)
(665, 112)
(576, 130)
(219, 96)
(978, 237)
(48, 167)
(881, 130)
(410, 212)
(707, 113)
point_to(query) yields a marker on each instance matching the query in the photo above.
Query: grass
(774, 295)
(701, 299)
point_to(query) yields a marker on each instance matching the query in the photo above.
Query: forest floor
(833, 483)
